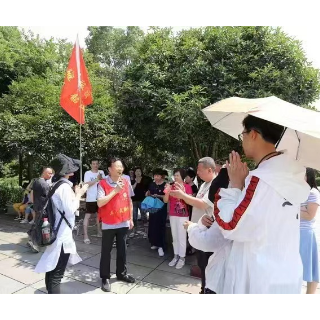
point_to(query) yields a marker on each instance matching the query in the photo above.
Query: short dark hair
(311, 178)
(270, 132)
(43, 169)
(25, 185)
(165, 173)
(191, 173)
(138, 168)
(157, 171)
(182, 172)
(113, 160)
(93, 159)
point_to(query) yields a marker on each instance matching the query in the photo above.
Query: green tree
(33, 124)
(114, 49)
(174, 76)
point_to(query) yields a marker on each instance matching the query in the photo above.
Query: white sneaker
(31, 222)
(154, 248)
(24, 221)
(160, 252)
(33, 247)
(173, 262)
(180, 264)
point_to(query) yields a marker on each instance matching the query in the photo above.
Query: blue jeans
(136, 207)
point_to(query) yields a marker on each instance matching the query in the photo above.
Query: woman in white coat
(56, 257)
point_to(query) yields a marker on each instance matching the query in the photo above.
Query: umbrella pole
(282, 134)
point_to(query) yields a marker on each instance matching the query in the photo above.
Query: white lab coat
(64, 199)
(260, 226)
(211, 240)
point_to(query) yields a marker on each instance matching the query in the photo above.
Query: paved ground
(151, 271)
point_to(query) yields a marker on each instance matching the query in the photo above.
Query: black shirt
(221, 181)
(40, 191)
(157, 188)
(194, 189)
(140, 190)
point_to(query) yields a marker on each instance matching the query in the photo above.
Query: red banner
(76, 92)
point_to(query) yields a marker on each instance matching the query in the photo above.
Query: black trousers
(53, 278)
(106, 248)
(157, 228)
(203, 258)
(208, 291)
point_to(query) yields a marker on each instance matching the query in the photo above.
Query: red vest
(117, 210)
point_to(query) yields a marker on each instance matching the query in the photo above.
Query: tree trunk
(195, 149)
(29, 167)
(20, 169)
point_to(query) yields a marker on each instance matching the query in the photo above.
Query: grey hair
(208, 162)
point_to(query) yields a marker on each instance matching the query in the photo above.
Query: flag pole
(80, 101)
(80, 138)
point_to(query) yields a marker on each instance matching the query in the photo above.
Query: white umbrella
(301, 138)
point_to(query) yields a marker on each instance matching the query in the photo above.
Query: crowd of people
(253, 231)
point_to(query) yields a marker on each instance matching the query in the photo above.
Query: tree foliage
(148, 91)
(174, 76)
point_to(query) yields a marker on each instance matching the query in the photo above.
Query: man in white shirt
(92, 177)
(206, 170)
(256, 233)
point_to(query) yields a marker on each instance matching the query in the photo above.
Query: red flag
(76, 91)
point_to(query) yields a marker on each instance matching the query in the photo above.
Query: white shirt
(260, 226)
(63, 199)
(203, 195)
(92, 191)
(211, 240)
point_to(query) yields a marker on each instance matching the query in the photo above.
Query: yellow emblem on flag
(74, 98)
(87, 94)
(70, 74)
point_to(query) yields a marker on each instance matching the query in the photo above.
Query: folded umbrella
(151, 204)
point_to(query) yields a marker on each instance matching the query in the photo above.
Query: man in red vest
(115, 212)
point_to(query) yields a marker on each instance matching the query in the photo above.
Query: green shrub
(10, 192)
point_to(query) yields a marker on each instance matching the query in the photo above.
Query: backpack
(48, 212)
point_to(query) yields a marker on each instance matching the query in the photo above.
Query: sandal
(87, 241)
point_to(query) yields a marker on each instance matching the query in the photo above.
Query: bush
(318, 181)
(10, 192)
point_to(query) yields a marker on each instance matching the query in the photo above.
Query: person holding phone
(179, 213)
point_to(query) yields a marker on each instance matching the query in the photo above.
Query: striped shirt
(314, 197)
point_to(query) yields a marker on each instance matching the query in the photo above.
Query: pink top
(177, 207)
